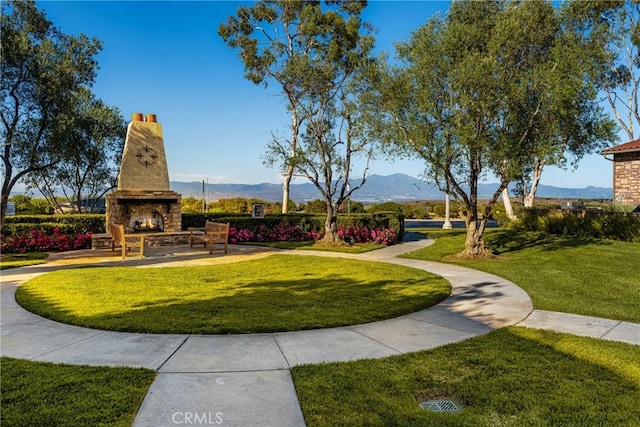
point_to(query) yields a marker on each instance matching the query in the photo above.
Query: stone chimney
(144, 163)
(143, 201)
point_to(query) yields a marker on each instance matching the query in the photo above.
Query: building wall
(626, 178)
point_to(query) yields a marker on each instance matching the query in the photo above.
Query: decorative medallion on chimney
(146, 156)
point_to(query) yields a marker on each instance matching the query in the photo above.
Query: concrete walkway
(245, 380)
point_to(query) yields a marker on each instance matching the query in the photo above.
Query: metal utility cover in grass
(440, 406)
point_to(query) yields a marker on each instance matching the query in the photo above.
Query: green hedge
(84, 223)
(307, 222)
(245, 221)
(613, 226)
(68, 224)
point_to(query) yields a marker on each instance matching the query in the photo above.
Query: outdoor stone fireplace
(143, 202)
(141, 211)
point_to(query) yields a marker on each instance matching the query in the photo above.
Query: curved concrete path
(245, 379)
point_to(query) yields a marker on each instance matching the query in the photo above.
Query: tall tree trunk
(4, 202)
(285, 190)
(508, 208)
(6, 186)
(295, 128)
(331, 225)
(529, 197)
(474, 244)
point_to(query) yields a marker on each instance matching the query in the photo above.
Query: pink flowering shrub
(359, 234)
(294, 233)
(35, 240)
(280, 233)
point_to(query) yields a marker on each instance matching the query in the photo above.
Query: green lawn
(510, 377)
(357, 248)
(22, 260)
(572, 275)
(275, 293)
(47, 394)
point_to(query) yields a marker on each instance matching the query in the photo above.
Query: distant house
(626, 172)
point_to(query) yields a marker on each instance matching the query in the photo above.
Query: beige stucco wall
(626, 178)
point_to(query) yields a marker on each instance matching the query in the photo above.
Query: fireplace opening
(146, 223)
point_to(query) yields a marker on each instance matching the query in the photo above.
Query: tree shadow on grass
(507, 241)
(256, 307)
(279, 305)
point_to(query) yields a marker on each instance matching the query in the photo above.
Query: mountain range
(377, 189)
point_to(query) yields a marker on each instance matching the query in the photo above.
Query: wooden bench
(126, 241)
(210, 234)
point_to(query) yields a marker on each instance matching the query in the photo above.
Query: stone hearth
(144, 211)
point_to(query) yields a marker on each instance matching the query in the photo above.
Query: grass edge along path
(43, 393)
(272, 294)
(591, 277)
(15, 260)
(510, 377)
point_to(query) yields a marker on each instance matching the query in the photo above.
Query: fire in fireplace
(151, 222)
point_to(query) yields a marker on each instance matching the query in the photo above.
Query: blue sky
(166, 58)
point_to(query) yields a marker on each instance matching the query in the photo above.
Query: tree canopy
(612, 27)
(297, 45)
(487, 89)
(93, 140)
(314, 50)
(42, 71)
(559, 105)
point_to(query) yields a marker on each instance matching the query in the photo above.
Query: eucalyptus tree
(93, 137)
(331, 140)
(329, 83)
(314, 50)
(553, 91)
(439, 104)
(278, 42)
(42, 68)
(484, 90)
(613, 26)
